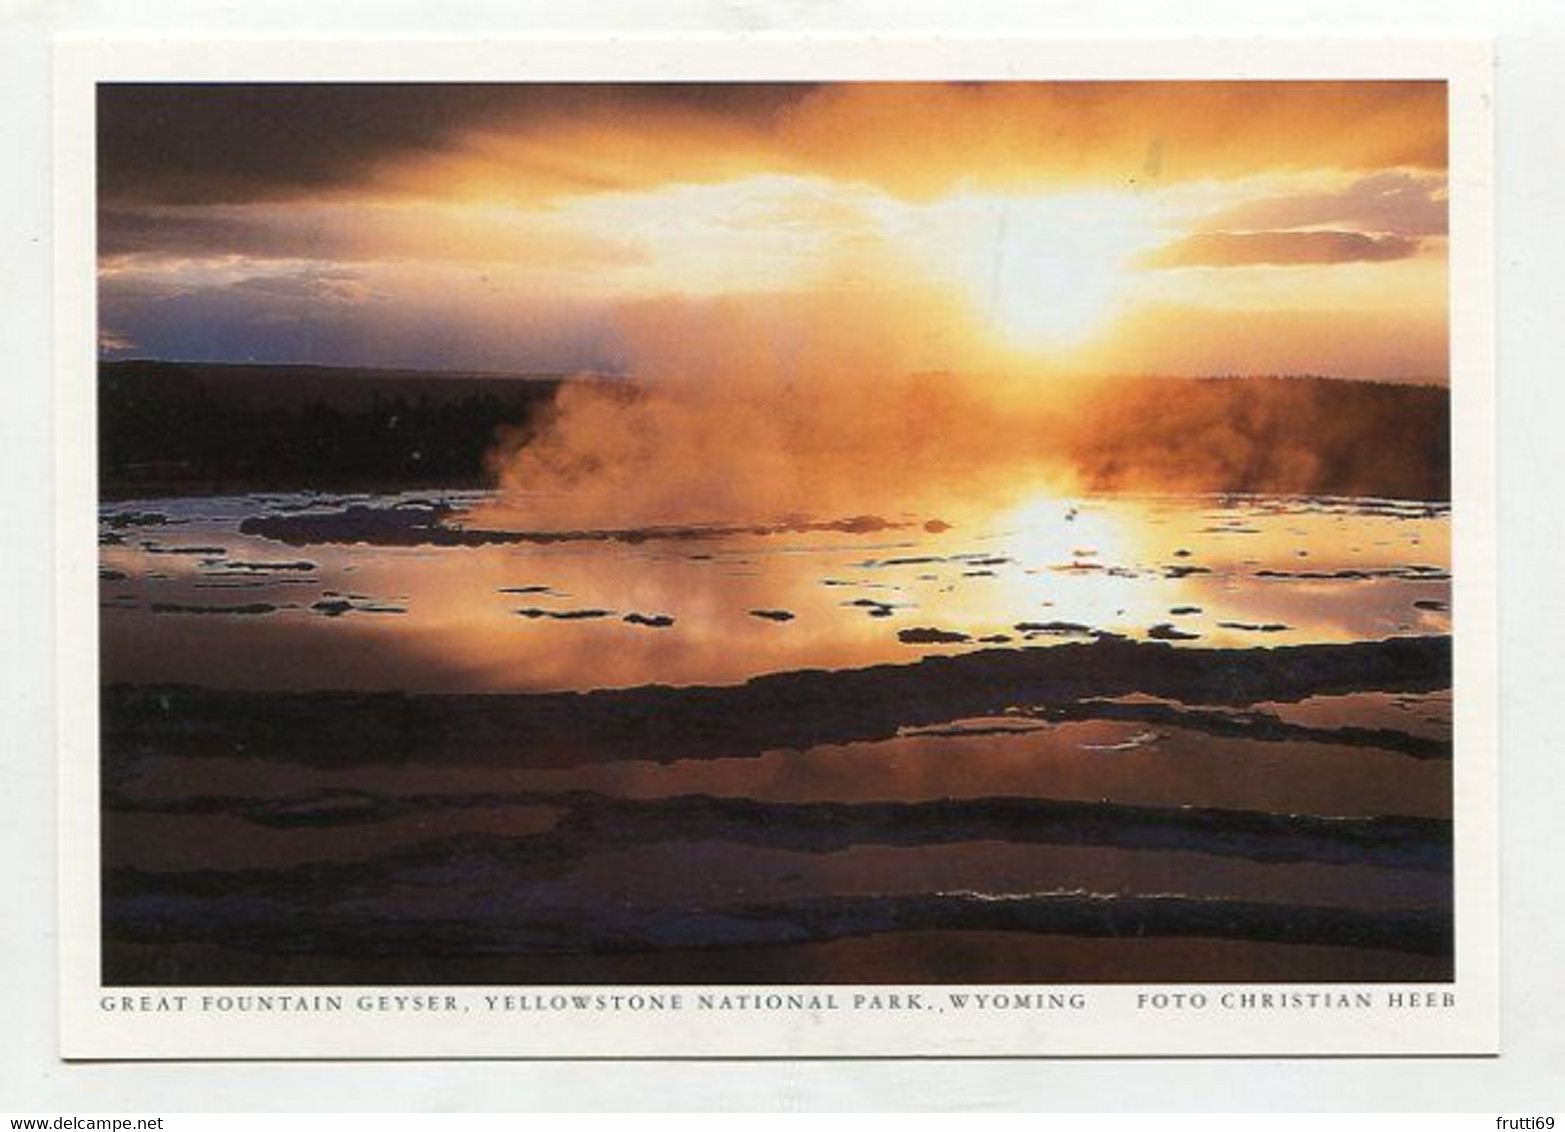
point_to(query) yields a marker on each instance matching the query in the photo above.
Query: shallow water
(1119, 812)
(187, 597)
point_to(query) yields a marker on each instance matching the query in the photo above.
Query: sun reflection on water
(197, 601)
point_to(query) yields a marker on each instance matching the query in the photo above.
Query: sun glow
(1052, 269)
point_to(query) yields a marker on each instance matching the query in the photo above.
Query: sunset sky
(678, 229)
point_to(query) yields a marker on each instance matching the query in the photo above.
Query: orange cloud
(922, 140)
(1240, 249)
(1396, 201)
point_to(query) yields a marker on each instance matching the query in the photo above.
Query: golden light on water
(1050, 530)
(1069, 550)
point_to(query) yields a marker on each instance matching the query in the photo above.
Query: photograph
(990, 534)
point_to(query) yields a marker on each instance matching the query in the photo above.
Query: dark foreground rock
(792, 710)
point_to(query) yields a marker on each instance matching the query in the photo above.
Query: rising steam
(735, 413)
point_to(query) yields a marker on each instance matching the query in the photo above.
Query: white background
(1530, 139)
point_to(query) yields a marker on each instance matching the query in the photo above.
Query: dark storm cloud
(1248, 249)
(247, 142)
(195, 143)
(129, 231)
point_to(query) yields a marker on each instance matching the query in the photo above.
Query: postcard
(776, 548)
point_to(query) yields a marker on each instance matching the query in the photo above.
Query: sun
(1052, 270)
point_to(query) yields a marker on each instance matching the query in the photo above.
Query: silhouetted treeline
(189, 427)
(1302, 435)
(178, 427)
